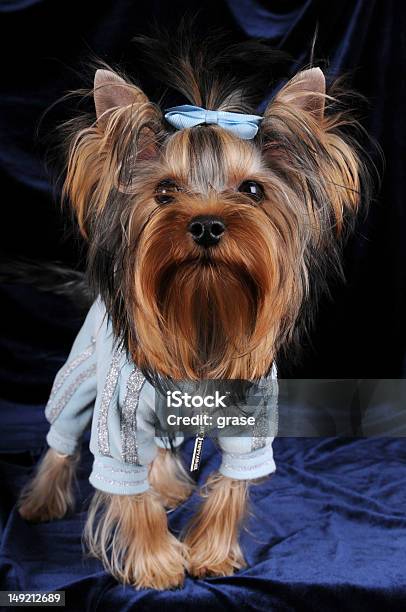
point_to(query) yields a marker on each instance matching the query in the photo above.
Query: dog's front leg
(213, 535)
(130, 535)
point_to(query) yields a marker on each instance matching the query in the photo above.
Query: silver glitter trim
(265, 427)
(128, 424)
(68, 368)
(54, 409)
(105, 468)
(103, 440)
(246, 468)
(121, 483)
(259, 438)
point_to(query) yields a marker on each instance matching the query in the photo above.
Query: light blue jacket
(99, 385)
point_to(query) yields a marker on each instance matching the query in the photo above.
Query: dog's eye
(252, 189)
(165, 191)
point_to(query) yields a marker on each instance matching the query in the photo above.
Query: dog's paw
(49, 495)
(199, 568)
(213, 535)
(207, 559)
(160, 569)
(130, 536)
(33, 510)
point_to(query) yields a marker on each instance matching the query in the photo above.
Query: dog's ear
(309, 137)
(306, 91)
(104, 157)
(115, 98)
(112, 92)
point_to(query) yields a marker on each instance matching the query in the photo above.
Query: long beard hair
(217, 313)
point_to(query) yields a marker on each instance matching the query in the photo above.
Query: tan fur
(169, 479)
(213, 534)
(96, 152)
(129, 534)
(49, 495)
(336, 162)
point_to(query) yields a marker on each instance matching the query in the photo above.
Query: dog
(210, 229)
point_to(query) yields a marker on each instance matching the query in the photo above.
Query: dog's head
(204, 245)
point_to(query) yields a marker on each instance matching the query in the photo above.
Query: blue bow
(187, 116)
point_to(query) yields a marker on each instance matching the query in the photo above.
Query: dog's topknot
(211, 71)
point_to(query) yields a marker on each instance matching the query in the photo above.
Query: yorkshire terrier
(209, 228)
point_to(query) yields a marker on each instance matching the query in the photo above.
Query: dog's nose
(207, 230)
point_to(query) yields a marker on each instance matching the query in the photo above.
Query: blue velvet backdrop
(328, 531)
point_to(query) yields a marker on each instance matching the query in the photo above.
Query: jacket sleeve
(251, 456)
(246, 458)
(122, 439)
(70, 405)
